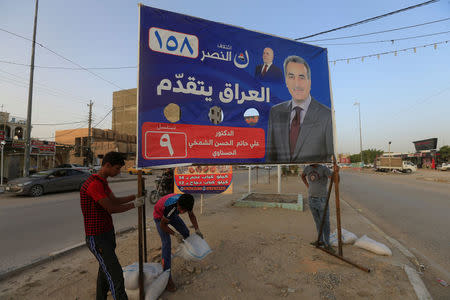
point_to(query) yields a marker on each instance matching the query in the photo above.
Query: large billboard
(210, 93)
(428, 144)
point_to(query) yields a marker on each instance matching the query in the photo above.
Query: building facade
(124, 112)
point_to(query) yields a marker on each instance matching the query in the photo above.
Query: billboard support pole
(338, 204)
(201, 204)
(249, 179)
(335, 181)
(257, 167)
(144, 218)
(279, 178)
(140, 227)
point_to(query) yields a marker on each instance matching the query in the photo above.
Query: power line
(42, 86)
(104, 117)
(67, 68)
(370, 19)
(422, 101)
(387, 41)
(69, 132)
(61, 56)
(388, 52)
(54, 124)
(377, 32)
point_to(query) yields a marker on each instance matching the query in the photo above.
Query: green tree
(445, 153)
(369, 156)
(355, 158)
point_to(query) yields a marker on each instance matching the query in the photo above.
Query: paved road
(32, 228)
(415, 212)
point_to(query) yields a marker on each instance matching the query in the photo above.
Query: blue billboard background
(226, 56)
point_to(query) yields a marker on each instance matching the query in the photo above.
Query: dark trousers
(166, 247)
(110, 274)
(317, 207)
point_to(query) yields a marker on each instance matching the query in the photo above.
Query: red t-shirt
(97, 220)
(166, 206)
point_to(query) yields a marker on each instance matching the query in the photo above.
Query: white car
(445, 167)
(75, 166)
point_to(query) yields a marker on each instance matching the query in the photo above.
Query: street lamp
(390, 154)
(360, 135)
(2, 145)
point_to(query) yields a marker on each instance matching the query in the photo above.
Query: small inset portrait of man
(251, 116)
(267, 71)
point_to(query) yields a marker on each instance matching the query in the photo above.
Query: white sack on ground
(368, 244)
(152, 290)
(347, 237)
(193, 248)
(131, 274)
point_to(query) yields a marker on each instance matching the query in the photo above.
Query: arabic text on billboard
(211, 93)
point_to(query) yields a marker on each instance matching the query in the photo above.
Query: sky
(403, 97)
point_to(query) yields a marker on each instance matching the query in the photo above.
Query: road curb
(417, 283)
(54, 255)
(413, 277)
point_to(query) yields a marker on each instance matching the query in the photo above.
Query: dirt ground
(420, 174)
(257, 254)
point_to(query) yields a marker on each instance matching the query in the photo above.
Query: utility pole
(389, 154)
(26, 163)
(89, 134)
(360, 135)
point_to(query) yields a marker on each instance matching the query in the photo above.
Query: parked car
(95, 169)
(145, 171)
(75, 166)
(445, 167)
(54, 180)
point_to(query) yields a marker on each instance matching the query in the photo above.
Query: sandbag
(131, 274)
(347, 237)
(152, 290)
(193, 248)
(368, 244)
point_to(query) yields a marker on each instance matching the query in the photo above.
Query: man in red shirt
(97, 204)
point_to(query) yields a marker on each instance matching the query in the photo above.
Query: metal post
(144, 218)
(360, 135)
(390, 155)
(279, 178)
(89, 160)
(140, 227)
(26, 167)
(249, 179)
(338, 204)
(346, 260)
(2, 146)
(201, 204)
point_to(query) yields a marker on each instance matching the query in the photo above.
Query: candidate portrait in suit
(299, 130)
(268, 71)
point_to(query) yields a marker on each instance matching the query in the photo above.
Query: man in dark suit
(268, 71)
(300, 130)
